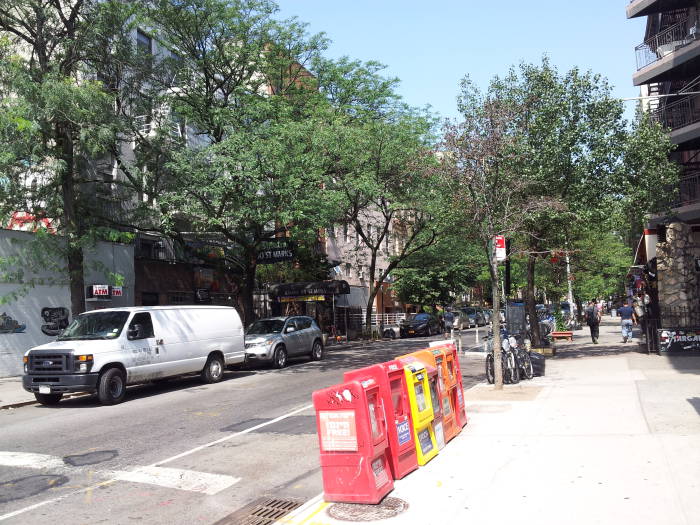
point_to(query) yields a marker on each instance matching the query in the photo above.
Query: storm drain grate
(264, 511)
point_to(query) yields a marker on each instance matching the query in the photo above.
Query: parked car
(475, 315)
(421, 323)
(274, 339)
(105, 350)
(487, 315)
(461, 321)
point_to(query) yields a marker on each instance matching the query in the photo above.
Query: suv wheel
(279, 359)
(317, 351)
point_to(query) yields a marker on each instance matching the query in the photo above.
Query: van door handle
(159, 341)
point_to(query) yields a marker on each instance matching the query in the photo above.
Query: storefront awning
(309, 289)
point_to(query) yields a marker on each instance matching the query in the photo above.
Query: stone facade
(677, 278)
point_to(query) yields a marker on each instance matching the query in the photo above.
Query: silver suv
(274, 339)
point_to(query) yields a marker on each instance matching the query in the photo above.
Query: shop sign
(275, 251)
(303, 298)
(117, 291)
(100, 290)
(679, 340)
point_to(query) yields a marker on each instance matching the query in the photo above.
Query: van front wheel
(112, 387)
(213, 371)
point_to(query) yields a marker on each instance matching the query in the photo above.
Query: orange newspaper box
(352, 435)
(435, 396)
(457, 394)
(394, 393)
(437, 358)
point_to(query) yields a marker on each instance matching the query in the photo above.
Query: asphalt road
(178, 452)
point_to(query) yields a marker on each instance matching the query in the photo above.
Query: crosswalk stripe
(181, 479)
(30, 460)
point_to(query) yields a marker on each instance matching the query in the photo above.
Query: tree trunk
(530, 301)
(248, 289)
(72, 221)
(497, 368)
(374, 290)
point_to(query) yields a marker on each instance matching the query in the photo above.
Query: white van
(105, 350)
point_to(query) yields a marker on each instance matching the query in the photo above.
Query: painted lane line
(227, 438)
(9, 515)
(30, 460)
(175, 478)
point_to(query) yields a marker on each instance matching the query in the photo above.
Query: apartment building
(668, 72)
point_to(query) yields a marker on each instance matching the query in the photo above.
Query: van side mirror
(135, 332)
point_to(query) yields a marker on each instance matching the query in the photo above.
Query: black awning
(312, 288)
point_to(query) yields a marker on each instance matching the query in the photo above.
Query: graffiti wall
(38, 314)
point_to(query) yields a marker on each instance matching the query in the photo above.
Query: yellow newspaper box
(421, 410)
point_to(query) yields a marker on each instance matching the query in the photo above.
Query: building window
(331, 232)
(386, 242)
(347, 269)
(369, 232)
(144, 43)
(345, 232)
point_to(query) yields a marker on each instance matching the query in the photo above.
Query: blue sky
(431, 45)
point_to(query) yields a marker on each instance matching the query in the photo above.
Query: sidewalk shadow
(695, 403)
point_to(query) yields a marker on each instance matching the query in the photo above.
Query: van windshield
(100, 325)
(266, 326)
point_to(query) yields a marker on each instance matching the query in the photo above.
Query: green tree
(576, 149)
(57, 119)
(243, 88)
(436, 275)
(481, 169)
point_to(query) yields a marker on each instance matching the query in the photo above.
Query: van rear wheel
(48, 399)
(111, 388)
(213, 371)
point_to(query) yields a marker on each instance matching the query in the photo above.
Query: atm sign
(337, 430)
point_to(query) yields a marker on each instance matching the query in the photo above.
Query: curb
(35, 402)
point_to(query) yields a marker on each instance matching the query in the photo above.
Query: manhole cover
(387, 508)
(264, 511)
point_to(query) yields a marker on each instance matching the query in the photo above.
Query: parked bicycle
(516, 362)
(508, 361)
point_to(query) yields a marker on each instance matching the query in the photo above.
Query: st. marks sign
(275, 251)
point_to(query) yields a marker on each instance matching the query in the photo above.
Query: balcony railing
(678, 114)
(688, 190)
(666, 42)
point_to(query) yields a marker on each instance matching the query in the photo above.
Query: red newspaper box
(352, 435)
(458, 392)
(392, 387)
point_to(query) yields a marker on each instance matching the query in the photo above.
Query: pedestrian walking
(448, 319)
(628, 318)
(593, 320)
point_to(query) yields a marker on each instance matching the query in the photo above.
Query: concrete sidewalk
(610, 435)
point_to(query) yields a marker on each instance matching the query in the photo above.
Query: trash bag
(538, 363)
